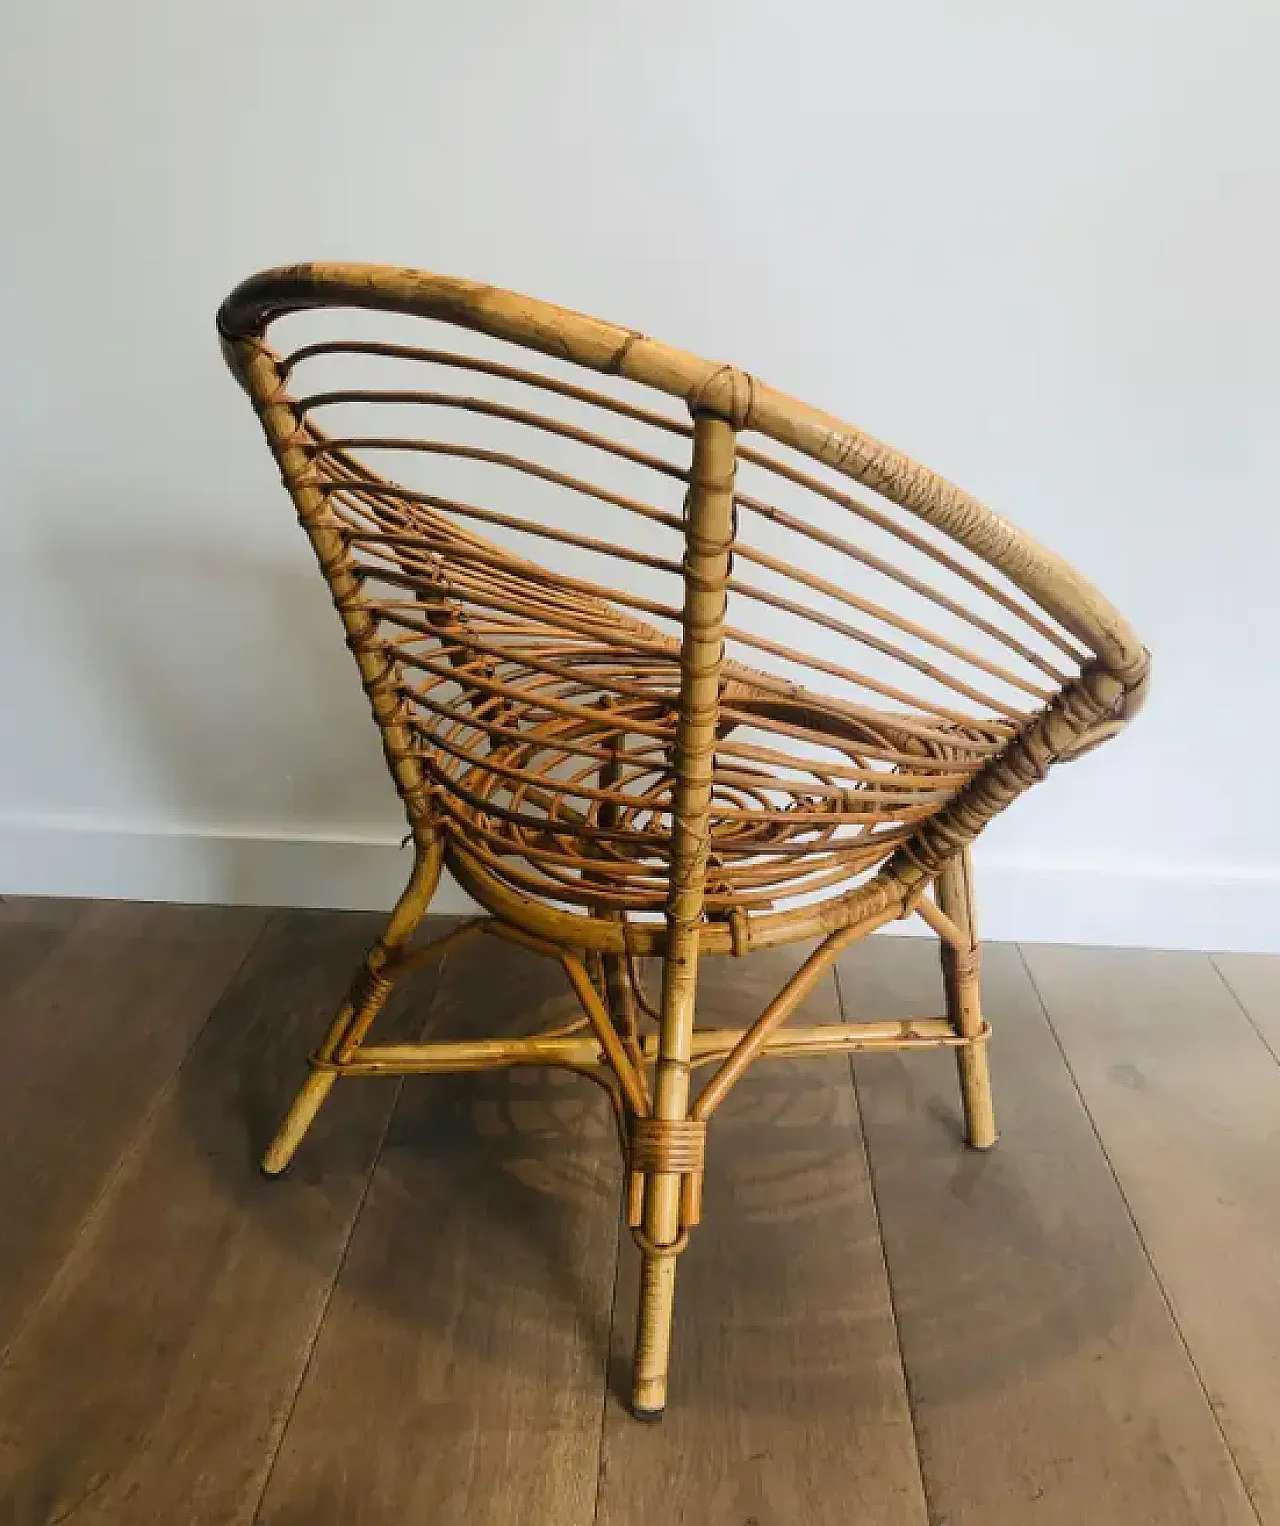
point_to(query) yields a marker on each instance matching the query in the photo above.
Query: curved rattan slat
(510, 688)
(749, 404)
(647, 416)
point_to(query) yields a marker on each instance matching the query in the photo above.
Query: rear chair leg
(961, 982)
(366, 998)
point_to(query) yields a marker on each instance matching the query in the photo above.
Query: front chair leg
(653, 1329)
(366, 998)
(664, 1203)
(667, 1146)
(964, 1008)
(664, 1206)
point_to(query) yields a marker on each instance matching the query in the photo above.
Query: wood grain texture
(1049, 1383)
(1186, 1098)
(460, 1368)
(787, 1402)
(460, 1374)
(92, 1035)
(154, 1378)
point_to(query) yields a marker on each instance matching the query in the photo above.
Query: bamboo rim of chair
(750, 404)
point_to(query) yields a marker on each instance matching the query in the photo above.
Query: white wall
(1034, 245)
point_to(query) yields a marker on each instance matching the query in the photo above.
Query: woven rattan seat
(774, 831)
(661, 679)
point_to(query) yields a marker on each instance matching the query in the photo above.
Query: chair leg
(960, 976)
(672, 1191)
(299, 1118)
(365, 999)
(658, 1259)
(653, 1333)
(673, 1142)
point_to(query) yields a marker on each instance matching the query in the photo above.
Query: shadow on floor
(492, 1221)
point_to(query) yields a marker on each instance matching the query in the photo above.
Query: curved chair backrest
(802, 683)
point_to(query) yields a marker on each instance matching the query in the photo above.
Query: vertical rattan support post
(287, 439)
(709, 540)
(961, 979)
(369, 991)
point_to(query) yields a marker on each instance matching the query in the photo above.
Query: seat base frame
(604, 1046)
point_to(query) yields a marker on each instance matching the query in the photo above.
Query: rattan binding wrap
(716, 700)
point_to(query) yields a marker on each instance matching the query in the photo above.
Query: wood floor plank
(1254, 980)
(153, 1380)
(459, 1376)
(41, 911)
(1186, 1099)
(29, 934)
(92, 1035)
(1049, 1383)
(787, 1400)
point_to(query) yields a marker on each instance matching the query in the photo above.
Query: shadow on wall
(217, 707)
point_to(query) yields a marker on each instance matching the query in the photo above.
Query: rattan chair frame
(919, 850)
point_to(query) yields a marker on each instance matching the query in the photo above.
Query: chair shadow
(491, 1225)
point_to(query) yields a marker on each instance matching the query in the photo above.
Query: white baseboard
(1139, 906)
(72, 858)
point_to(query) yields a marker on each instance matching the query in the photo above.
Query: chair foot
(647, 1415)
(653, 1334)
(975, 1092)
(955, 898)
(298, 1120)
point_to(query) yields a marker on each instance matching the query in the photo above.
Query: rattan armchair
(727, 705)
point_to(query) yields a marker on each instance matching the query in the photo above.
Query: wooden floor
(427, 1322)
